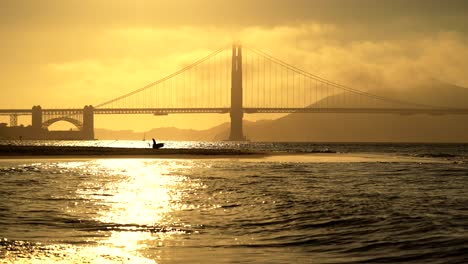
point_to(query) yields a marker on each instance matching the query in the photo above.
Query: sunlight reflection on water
(135, 198)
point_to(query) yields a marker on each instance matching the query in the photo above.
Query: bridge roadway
(246, 110)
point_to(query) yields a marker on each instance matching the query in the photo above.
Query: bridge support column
(36, 121)
(13, 120)
(88, 122)
(237, 112)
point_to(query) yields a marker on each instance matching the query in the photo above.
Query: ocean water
(366, 203)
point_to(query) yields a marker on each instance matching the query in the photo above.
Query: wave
(437, 155)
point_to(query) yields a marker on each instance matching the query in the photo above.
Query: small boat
(157, 145)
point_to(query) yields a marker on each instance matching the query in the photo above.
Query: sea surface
(309, 203)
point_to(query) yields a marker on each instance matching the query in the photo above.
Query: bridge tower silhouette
(237, 112)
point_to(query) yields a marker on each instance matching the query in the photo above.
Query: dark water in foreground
(367, 204)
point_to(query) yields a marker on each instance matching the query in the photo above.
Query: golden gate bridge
(238, 80)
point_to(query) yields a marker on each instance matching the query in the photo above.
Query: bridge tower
(88, 122)
(237, 112)
(37, 119)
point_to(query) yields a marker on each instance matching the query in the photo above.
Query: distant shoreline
(10, 151)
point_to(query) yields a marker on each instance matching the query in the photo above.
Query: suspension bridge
(236, 81)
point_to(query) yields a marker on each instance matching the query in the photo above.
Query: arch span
(77, 123)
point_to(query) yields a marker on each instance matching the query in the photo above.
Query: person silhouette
(157, 145)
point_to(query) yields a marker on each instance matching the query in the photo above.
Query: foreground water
(374, 203)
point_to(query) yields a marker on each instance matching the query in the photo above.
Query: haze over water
(371, 203)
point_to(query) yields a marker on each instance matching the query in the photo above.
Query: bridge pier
(237, 112)
(13, 120)
(88, 122)
(36, 121)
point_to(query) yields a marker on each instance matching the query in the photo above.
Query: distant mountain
(435, 93)
(101, 133)
(374, 127)
(169, 133)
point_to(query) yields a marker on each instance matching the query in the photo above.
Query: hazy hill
(375, 127)
(170, 133)
(433, 93)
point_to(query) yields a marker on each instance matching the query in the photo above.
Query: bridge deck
(452, 111)
(166, 111)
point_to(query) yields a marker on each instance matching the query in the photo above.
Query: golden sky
(71, 53)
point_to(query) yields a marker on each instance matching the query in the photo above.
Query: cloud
(377, 19)
(366, 64)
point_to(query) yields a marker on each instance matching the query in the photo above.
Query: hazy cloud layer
(157, 13)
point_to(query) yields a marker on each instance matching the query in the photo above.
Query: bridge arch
(77, 123)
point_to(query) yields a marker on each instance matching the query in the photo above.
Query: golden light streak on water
(137, 196)
(143, 196)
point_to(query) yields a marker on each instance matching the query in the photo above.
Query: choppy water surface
(410, 204)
